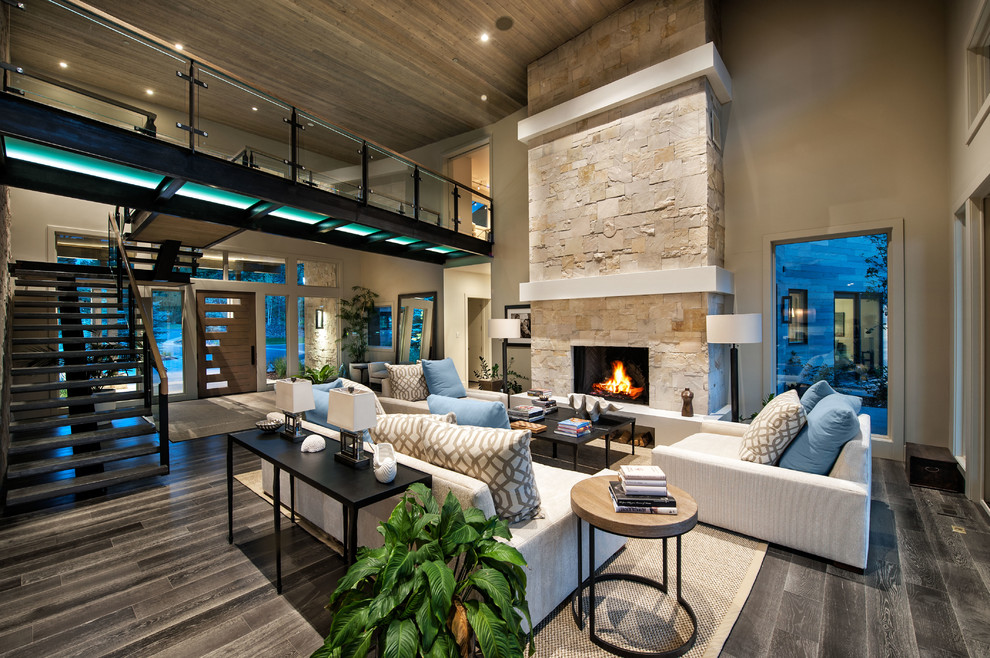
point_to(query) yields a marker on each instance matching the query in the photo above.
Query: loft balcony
(205, 145)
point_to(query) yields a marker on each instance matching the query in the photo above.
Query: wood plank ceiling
(403, 74)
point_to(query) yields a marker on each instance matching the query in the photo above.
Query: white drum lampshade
(294, 395)
(351, 410)
(735, 329)
(499, 328)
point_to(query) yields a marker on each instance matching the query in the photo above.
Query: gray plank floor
(925, 591)
(148, 571)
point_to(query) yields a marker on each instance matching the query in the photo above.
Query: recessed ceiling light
(484, 97)
(254, 109)
(178, 46)
(150, 92)
(64, 65)
(484, 37)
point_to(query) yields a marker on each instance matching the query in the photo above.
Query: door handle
(253, 355)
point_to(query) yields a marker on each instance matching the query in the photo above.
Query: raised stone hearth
(637, 188)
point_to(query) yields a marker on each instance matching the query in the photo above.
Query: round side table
(591, 502)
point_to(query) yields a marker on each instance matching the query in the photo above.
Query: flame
(619, 384)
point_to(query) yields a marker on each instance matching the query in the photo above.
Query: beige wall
(458, 286)
(969, 164)
(838, 118)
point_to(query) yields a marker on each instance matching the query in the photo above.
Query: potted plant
(355, 314)
(489, 378)
(406, 598)
(322, 375)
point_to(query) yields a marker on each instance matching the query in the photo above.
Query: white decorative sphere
(313, 443)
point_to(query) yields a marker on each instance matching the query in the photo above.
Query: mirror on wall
(415, 328)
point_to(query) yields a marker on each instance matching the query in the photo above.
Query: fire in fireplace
(614, 373)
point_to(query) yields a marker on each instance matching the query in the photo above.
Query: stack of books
(539, 392)
(575, 427)
(526, 412)
(549, 404)
(642, 489)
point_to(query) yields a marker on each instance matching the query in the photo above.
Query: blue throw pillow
(442, 378)
(831, 424)
(821, 390)
(481, 413)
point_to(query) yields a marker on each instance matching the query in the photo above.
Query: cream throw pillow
(499, 458)
(405, 431)
(773, 429)
(407, 382)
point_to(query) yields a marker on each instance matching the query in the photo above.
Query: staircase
(81, 385)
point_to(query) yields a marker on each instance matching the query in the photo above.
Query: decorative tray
(268, 425)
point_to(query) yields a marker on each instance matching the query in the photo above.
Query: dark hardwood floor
(148, 571)
(925, 591)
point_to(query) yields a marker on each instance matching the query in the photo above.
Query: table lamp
(733, 330)
(293, 397)
(505, 329)
(353, 412)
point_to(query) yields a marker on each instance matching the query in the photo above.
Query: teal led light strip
(442, 250)
(357, 229)
(296, 215)
(213, 195)
(80, 164)
(403, 240)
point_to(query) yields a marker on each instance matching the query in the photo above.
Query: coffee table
(605, 426)
(591, 503)
(354, 488)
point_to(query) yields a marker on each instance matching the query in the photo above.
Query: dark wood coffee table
(354, 488)
(592, 504)
(604, 427)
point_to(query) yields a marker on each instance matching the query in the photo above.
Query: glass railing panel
(391, 182)
(243, 124)
(329, 158)
(436, 200)
(144, 94)
(481, 216)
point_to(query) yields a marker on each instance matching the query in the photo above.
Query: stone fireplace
(626, 219)
(613, 372)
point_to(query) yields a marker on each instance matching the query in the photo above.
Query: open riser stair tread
(75, 282)
(82, 484)
(74, 354)
(82, 294)
(110, 326)
(55, 464)
(75, 340)
(76, 419)
(32, 315)
(76, 401)
(81, 367)
(83, 383)
(31, 303)
(50, 442)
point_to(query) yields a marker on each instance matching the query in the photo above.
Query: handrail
(149, 333)
(185, 55)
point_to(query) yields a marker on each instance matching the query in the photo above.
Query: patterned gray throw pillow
(499, 458)
(407, 382)
(405, 431)
(773, 429)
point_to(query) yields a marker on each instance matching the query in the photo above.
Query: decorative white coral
(313, 443)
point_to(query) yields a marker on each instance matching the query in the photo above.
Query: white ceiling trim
(709, 278)
(701, 61)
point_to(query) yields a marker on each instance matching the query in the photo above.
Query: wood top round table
(591, 502)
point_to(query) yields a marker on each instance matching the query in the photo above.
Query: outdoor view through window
(831, 319)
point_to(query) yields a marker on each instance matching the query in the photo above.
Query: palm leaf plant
(442, 581)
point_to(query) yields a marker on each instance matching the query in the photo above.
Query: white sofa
(396, 406)
(826, 515)
(548, 544)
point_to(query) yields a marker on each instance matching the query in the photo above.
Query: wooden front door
(226, 330)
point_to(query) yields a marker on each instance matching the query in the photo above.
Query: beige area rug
(719, 569)
(194, 419)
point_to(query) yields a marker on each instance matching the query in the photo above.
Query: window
(73, 249)
(276, 366)
(259, 269)
(316, 273)
(210, 265)
(166, 317)
(380, 327)
(831, 323)
(978, 69)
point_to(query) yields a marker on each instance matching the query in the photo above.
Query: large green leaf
(428, 624)
(428, 552)
(489, 631)
(349, 622)
(381, 607)
(503, 553)
(443, 647)
(473, 515)
(401, 639)
(358, 572)
(421, 523)
(494, 584)
(441, 580)
(399, 566)
(425, 496)
(458, 534)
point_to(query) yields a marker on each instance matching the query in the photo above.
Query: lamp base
(350, 461)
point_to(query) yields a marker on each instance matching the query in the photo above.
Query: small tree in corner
(355, 314)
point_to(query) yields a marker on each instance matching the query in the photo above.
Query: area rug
(193, 419)
(719, 569)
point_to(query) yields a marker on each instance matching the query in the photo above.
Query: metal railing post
(365, 184)
(416, 179)
(456, 219)
(146, 371)
(163, 428)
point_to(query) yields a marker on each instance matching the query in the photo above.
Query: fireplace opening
(614, 373)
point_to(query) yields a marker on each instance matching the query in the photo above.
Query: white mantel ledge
(708, 278)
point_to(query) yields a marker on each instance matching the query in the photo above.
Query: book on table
(641, 472)
(643, 490)
(623, 498)
(526, 412)
(640, 509)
